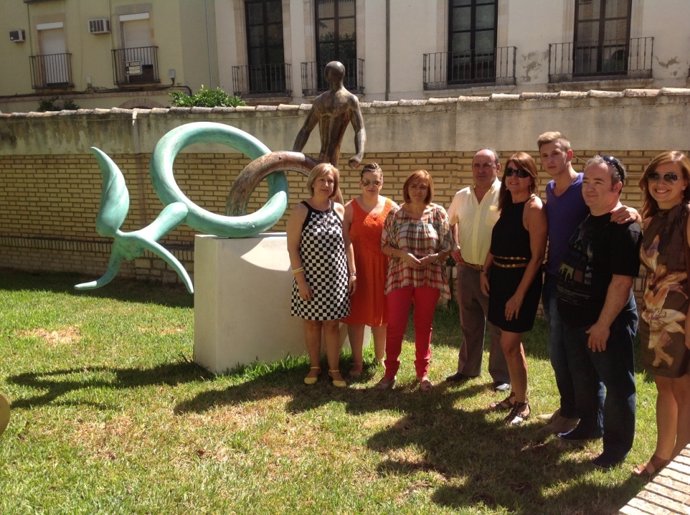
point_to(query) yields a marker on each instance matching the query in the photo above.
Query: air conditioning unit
(17, 36)
(99, 26)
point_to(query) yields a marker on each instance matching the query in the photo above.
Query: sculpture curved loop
(180, 209)
(259, 169)
(166, 188)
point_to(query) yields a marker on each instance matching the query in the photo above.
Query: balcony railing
(51, 71)
(313, 79)
(137, 65)
(262, 79)
(443, 70)
(616, 59)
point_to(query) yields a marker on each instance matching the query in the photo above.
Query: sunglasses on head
(669, 177)
(522, 174)
(617, 165)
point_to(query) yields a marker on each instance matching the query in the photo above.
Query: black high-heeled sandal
(518, 414)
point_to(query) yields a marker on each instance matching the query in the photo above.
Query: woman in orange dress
(364, 217)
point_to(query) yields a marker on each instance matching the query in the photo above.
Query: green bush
(205, 98)
(54, 104)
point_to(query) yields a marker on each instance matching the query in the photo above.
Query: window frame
(475, 64)
(349, 61)
(601, 45)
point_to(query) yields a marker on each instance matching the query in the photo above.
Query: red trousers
(398, 304)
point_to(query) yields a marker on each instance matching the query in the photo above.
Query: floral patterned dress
(665, 306)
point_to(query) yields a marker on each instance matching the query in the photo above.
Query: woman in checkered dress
(323, 267)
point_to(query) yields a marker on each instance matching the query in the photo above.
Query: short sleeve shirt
(429, 234)
(598, 250)
(475, 221)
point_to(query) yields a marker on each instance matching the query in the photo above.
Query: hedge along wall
(50, 183)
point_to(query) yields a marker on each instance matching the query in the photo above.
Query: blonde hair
(553, 137)
(321, 170)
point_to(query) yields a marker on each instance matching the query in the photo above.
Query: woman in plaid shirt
(417, 239)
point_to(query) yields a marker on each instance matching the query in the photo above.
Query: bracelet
(353, 275)
(296, 271)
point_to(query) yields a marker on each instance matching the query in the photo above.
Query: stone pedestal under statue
(242, 302)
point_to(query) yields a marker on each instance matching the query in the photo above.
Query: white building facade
(274, 51)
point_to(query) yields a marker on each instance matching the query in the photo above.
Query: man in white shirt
(472, 215)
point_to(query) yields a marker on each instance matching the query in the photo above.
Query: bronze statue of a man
(333, 110)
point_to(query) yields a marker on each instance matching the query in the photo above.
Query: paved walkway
(668, 492)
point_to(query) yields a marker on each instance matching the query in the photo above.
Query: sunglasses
(366, 182)
(669, 177)
(522, 174)
(617, 165)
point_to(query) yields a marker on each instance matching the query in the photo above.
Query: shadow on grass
(447, 333)
(472, 459)
(128, 290)
(59, 383)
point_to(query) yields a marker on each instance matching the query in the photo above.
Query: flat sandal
(504, 405)
(651, 468)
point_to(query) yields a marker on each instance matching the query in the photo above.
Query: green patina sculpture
(333, 110)
(178, 208)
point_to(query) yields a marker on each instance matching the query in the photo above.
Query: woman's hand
(513, 306)
(411, 260)
(428, 260)
(484, 282)
(305, 292)
(352, 284)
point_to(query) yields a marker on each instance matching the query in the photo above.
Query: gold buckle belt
(510, 265)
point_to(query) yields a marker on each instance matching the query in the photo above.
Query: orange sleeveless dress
(368, 303)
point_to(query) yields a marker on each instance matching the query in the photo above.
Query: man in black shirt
(596, 303)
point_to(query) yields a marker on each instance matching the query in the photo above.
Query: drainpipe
(388, 48)
(208, 47)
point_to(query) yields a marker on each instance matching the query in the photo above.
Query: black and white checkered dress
(322, 250)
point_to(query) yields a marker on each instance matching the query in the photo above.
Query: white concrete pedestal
(242, 293)
(242, 302)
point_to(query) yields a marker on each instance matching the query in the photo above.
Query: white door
(136, 35)
(53, 60)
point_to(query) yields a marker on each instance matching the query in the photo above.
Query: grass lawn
(111, 415)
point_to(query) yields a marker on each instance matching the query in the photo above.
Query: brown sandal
(505, 404)
(518, 414)
(651, 468)
(425, 385)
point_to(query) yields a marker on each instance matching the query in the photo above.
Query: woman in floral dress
(664, 315)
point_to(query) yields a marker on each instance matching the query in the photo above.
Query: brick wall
(50, 183)
(50, 203)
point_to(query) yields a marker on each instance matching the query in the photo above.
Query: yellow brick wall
(48, 204)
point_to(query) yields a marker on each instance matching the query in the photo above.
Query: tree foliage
(205, 97)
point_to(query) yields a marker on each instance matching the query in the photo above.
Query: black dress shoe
(500, 386)
(458, 377)
(606, 461)
(580, 434)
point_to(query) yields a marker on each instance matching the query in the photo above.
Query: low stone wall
(50, 184)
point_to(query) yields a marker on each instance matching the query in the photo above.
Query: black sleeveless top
(510, 239)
